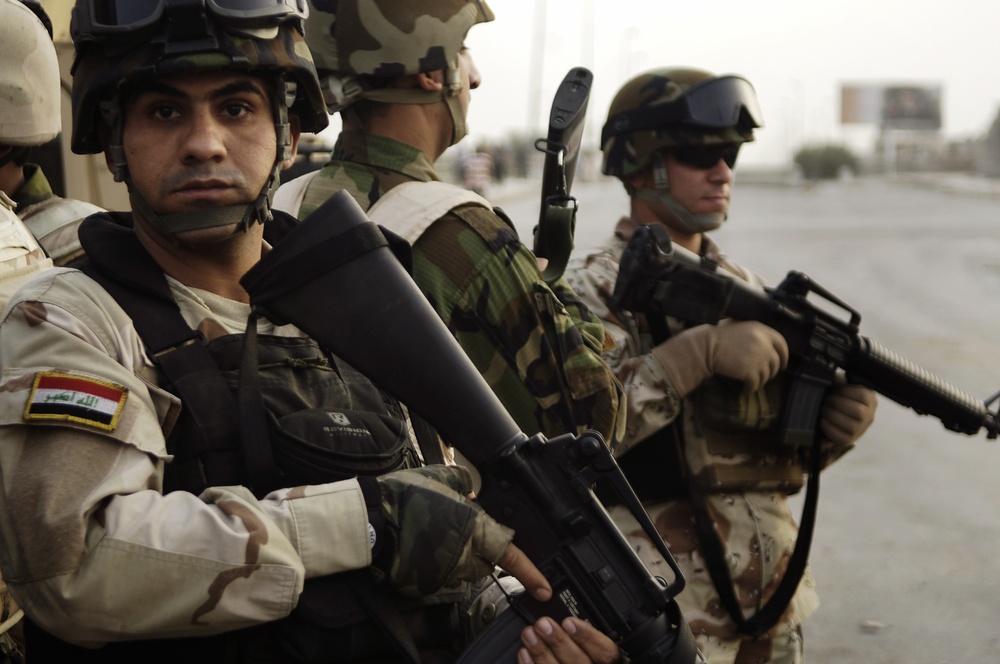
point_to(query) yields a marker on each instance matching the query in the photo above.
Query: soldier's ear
(431, 81)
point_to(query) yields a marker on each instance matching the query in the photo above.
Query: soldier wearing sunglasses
(701, 448)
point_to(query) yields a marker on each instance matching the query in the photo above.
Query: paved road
(907, 553)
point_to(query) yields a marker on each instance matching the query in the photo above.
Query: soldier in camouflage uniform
(693, 438)
(30, 116)
(400, 75)
(132, 525)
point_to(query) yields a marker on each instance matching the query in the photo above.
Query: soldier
(400, 76)
(136, 520)
(702, 453)
(30, 116)
(20, 258)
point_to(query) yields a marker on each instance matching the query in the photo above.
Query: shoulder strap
(289, 196)
(122, 266)
(409, 209)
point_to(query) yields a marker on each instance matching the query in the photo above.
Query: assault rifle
(557, 219)
(660, 279)
(541, 488)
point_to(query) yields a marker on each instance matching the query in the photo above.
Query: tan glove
(747, 351)
(848, 410)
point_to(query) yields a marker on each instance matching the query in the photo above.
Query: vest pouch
(320, 445)
(732, 438)
(324, 627)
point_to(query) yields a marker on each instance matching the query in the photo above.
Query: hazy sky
(795, 52)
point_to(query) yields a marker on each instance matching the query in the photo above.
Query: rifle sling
(712, 547)
(715, 556)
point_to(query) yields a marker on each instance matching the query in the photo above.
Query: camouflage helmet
(385, 38)
(111, 59)
(390, 37)
(29, 78)
(670, 107)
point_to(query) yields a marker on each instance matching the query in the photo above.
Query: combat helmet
(358, 44)
(675, 108)
(121, 43)
(29, 78)
(672, 107)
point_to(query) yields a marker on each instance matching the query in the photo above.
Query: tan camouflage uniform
(20, 254)
(746, 475)
(209, 563)
(53, 219)
(20, 259)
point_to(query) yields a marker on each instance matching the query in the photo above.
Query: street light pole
(536, 67)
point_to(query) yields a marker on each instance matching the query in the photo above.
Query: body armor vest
(305, 392)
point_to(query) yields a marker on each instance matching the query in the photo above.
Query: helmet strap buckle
(660, 178)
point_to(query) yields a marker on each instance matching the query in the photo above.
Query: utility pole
(537, 68)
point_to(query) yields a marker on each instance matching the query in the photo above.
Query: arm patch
(70, 397)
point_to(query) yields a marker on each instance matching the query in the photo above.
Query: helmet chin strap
(681, 218)
(240, 216)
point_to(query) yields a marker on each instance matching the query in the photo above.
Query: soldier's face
(700, 190)
(200, 141)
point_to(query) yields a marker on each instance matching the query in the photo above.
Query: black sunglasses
(707, 156)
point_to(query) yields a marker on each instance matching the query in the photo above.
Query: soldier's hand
(432, 536)
(575, 641)
(747, 351)
(848, 410)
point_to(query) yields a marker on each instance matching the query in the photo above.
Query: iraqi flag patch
(75, 398)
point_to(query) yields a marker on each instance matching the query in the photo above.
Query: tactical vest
(303, 390)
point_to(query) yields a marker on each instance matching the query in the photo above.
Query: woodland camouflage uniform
(537, 345)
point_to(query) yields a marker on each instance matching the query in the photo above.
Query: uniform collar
(385, 153)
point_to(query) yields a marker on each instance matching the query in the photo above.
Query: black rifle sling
(715, 555)
(713, 548)
(120, 264)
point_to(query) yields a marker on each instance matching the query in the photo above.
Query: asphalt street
(907, 549)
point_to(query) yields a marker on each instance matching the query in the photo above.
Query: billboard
(893, 106)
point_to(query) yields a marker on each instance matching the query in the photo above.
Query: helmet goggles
(718, 103)
(94, 20)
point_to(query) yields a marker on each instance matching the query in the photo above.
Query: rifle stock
(661, 279)
(539, 487)
(557, 218)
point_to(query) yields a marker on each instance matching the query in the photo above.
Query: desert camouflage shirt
(537, 347)
(54, 220)
(82, 512)
(20, 254)
(747, 481)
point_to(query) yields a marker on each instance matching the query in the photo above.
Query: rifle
(557, 218)
(660, 279)
(540, 488)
